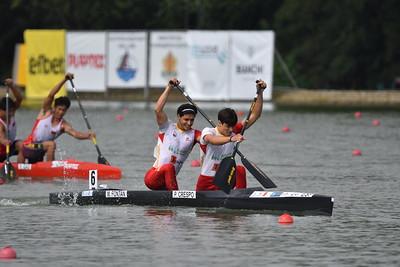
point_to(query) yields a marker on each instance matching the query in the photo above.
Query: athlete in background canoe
(175, 142)
(15, 145)
(219, 142)
(49, 125)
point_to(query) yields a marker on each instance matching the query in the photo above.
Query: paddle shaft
(85, 118)
(7, 122)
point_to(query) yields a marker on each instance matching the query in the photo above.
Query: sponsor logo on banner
(183, 194)
(88, 193)
(41, 64)
(169, 66)
(209, 51)
(249, 69)
(86, 61)
(24, 166)
(116, 194)
(127, 67)
(267, 194)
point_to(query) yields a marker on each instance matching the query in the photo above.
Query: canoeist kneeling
(15, 145)
(175, 141)
(49, 125)
(219, 142)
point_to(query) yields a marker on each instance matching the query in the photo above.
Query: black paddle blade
(225, 177)
(258, 173)
(102, 160)
(8, 172)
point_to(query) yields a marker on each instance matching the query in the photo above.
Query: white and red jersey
(212, 155)
(174, 145)
(12, 128)
(43, 130)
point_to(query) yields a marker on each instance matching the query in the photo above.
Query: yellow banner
(45, 53)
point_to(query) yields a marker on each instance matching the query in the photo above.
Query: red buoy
(239, 113)
(356, 152)
(376, 122)
(357, 114)
(8, 253)
(285, 218)
(119, 117)
(195, 163)
(285, 129)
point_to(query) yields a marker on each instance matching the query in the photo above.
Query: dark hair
(228, 116)
(186, 109)
(62, 101)
(11, 103)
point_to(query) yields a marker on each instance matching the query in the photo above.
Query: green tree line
(345, 44)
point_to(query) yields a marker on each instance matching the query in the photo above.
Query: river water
(315, 156)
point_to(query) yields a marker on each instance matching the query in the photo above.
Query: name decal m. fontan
(116, 194)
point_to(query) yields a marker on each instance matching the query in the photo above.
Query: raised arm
(48, 101)
(161, 116)
(17, 94)
(257, 110)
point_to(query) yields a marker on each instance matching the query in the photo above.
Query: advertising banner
(127, 52)
(168, 58)
(45, 61)
(86, 59)
(208, 65)
(252, 58)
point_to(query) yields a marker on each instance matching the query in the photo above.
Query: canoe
(253, 199)
(69, 168)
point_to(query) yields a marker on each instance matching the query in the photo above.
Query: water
(314, 157)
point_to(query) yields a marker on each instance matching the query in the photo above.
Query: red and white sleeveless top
(174, 145)
(212, 155)
(44, 131)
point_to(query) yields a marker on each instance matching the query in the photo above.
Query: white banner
(208, 65)
(168, 56)
(127, 52)
(252, 58)
(86, 58)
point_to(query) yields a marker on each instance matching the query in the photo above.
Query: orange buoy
(286, 129)
(357, 114)
(376, 122)
(8, 253)
(356, 152)
(195, 163)
(285, 218)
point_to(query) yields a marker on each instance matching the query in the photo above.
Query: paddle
(7, 171)
(100, 159)
(261, 177)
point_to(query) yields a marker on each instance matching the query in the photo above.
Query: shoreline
(281, 99)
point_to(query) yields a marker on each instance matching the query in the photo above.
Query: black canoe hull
(245, 199)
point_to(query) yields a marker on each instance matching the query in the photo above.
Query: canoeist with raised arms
(49, 125)
(175, 142)
(15, 145)
(219, 142)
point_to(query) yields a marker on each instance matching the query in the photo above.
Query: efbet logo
(169, 65)
(44, 65)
